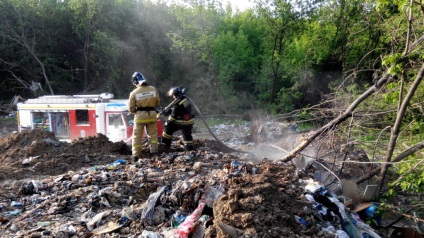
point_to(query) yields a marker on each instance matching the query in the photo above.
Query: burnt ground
(57, 183)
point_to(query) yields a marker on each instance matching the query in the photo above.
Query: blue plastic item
(370, 210)
(177, 219)
(301, 220)
(119, 161)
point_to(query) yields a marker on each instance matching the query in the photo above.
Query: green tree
(198, 25)
(237, 52)
(25, 29)
(282, 22)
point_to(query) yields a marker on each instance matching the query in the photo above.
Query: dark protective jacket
(181, 113)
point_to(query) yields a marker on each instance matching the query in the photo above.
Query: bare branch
(398, 158)
(19, 36)
(396, 128)
(332, 124)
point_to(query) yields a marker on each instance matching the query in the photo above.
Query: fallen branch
(332, 124)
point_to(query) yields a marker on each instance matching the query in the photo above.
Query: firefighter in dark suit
(180, 118)
(142, 102)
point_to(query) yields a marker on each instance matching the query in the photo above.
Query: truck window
(40, 120)
(115, 120)
(82, 117)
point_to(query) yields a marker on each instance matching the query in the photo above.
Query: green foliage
(232, 54)
(393, 61)
(308, 47)
(286, 100)
(7, 119)
(411, 175)
(392, 96)
(280, 58)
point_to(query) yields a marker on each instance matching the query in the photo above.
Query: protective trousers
(137, 140)
(171, 127)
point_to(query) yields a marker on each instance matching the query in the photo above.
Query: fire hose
(210, 131)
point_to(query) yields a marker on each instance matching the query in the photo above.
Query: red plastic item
(185, 228)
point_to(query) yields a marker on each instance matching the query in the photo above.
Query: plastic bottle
(177, 219)
(16, 204)
(119, 161)
(301, 220)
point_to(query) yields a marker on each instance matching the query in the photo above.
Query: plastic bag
(186, 227)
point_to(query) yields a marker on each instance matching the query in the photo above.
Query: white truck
(74, 116)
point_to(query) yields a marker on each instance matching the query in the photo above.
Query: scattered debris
(90, 188)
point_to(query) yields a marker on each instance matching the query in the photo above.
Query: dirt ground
(261, 204)
(60, 186)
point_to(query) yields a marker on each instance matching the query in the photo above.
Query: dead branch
(332, 124)
(398, 158)
(349, 111)
(378, 139)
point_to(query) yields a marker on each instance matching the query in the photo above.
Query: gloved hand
(164, 112)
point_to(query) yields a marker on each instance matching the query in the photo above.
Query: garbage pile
(94, 190)
(332, 215)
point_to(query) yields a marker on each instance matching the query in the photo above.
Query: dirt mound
(263, 204)
(38, 152)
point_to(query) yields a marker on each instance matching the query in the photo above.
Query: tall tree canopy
(329, 59)
(279, 56)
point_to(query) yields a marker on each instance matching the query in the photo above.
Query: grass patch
(306, 126)
(214, 121)
(7, 119)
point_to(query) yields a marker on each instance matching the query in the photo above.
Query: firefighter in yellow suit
(142, 102)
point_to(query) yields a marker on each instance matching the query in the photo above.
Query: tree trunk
(278, 47)
(396, 128)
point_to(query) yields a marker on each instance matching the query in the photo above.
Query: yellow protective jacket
(142, 101)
